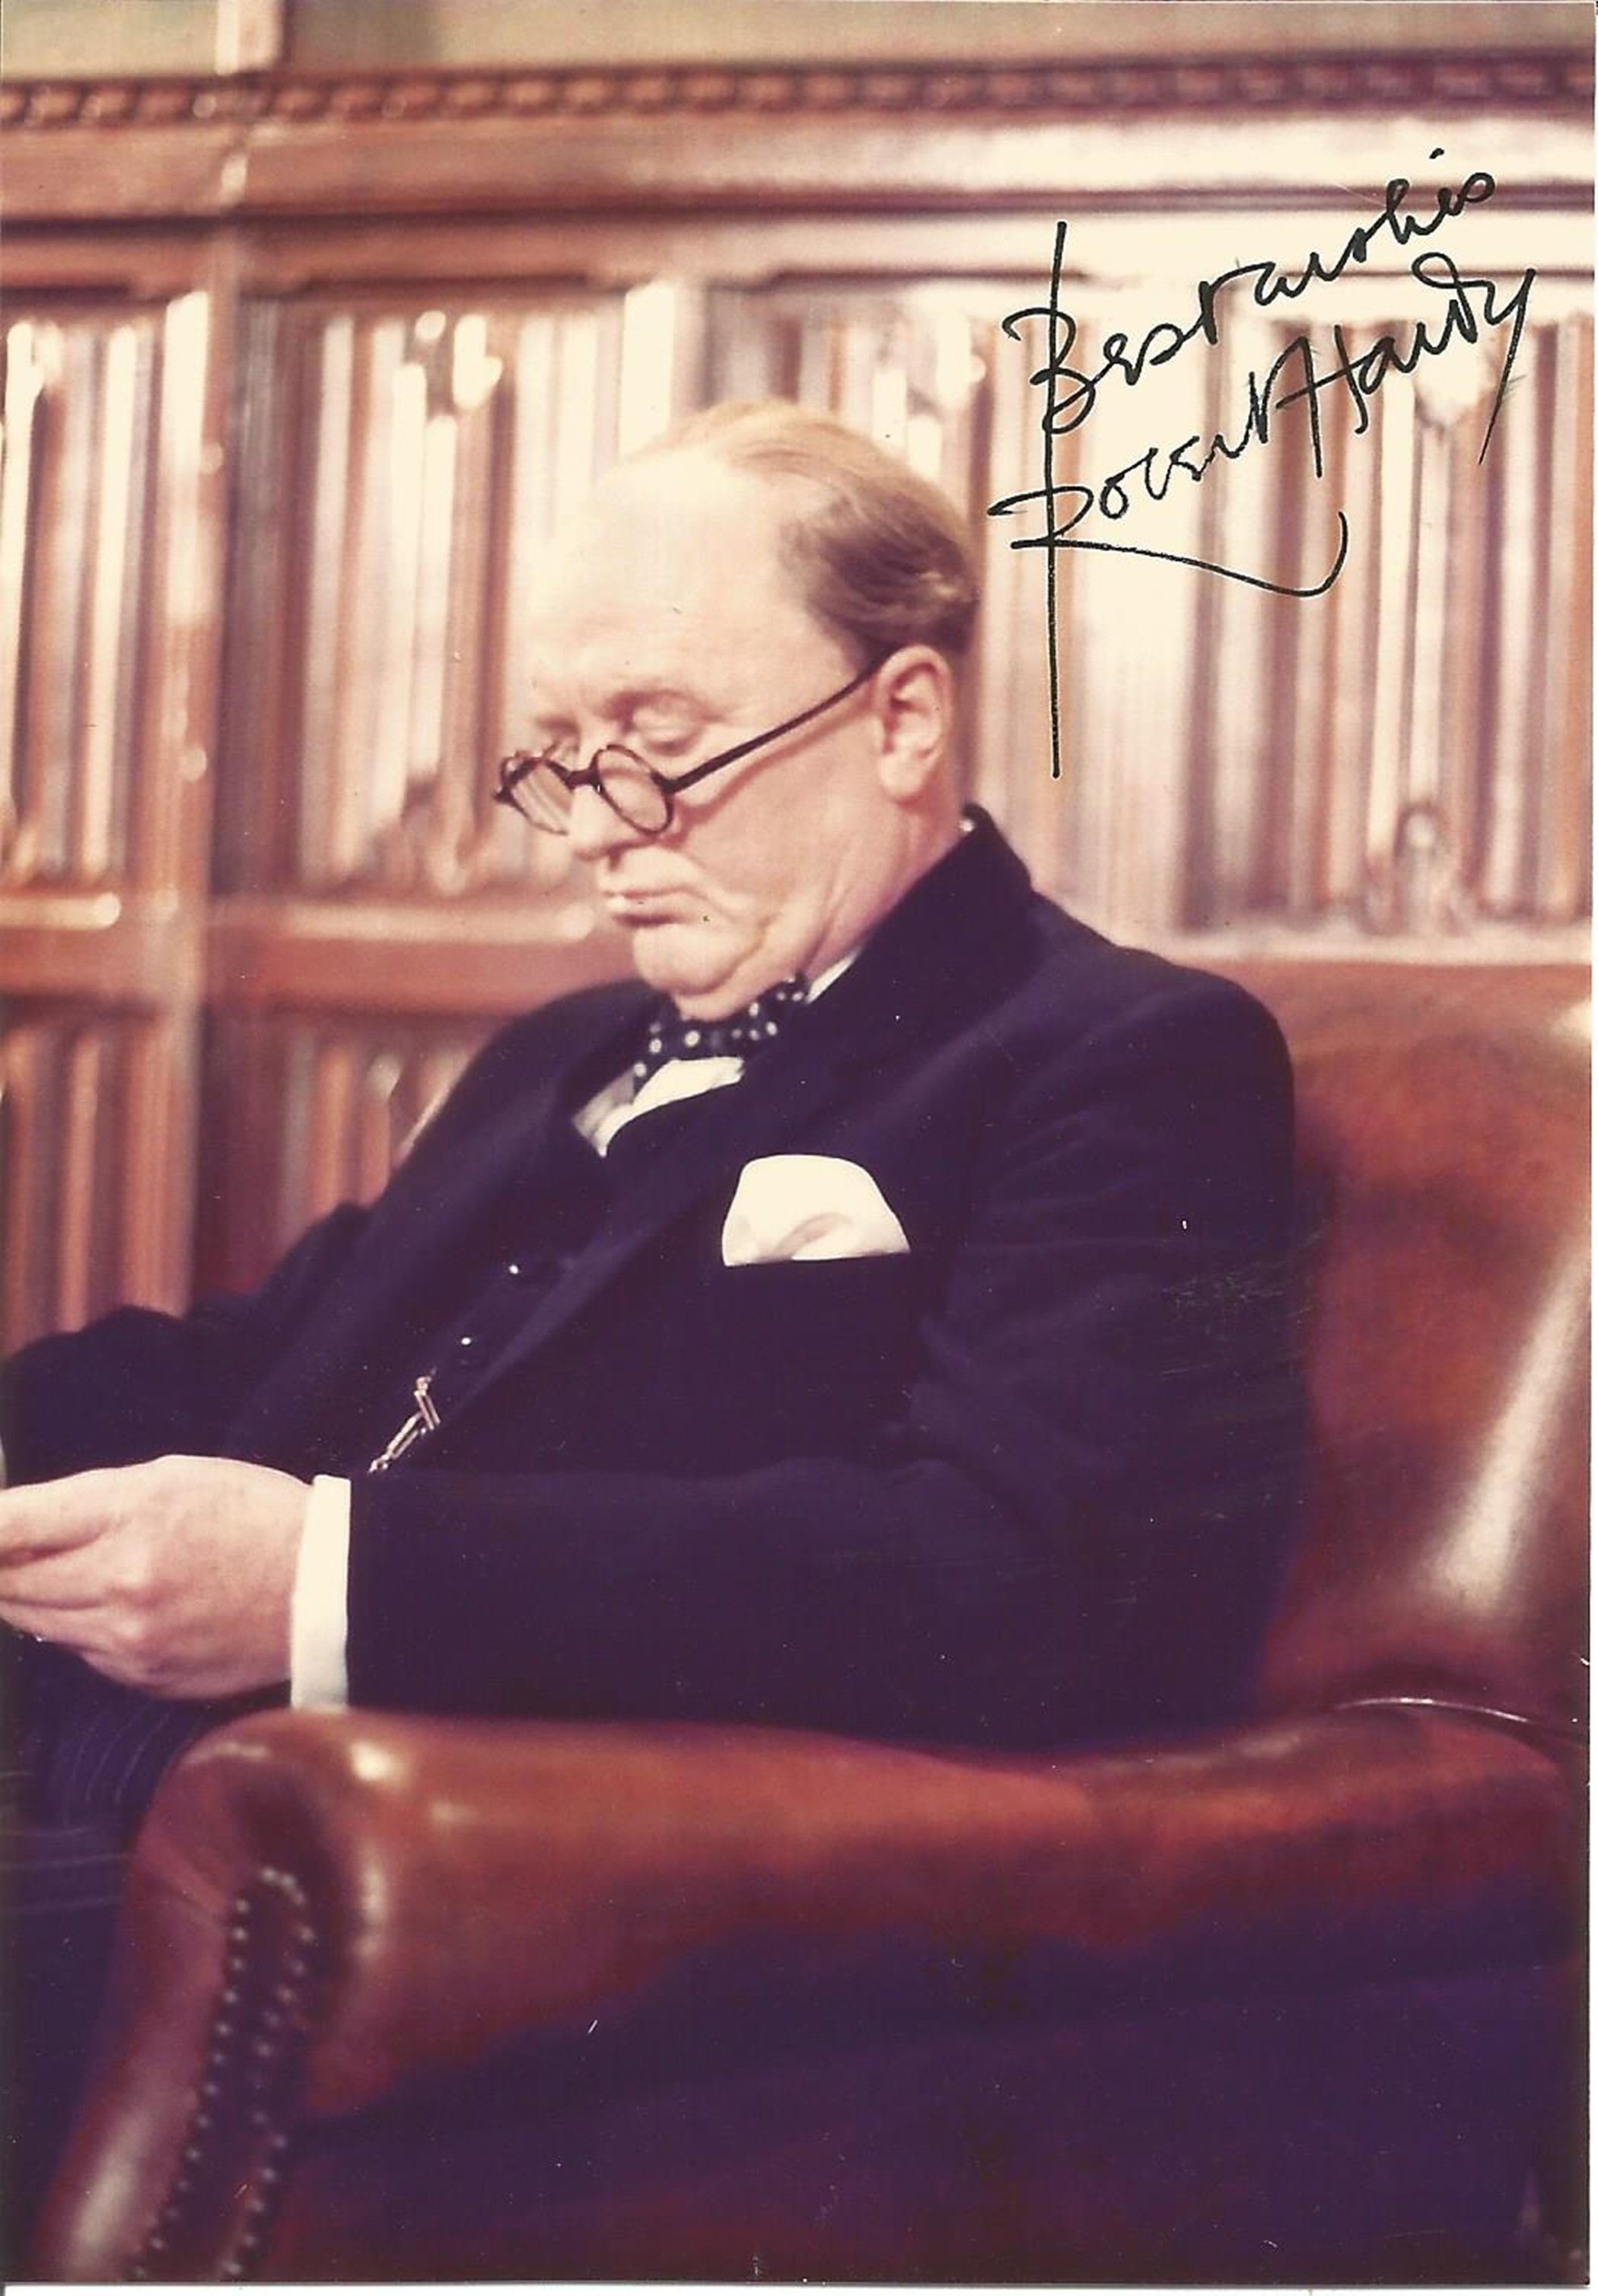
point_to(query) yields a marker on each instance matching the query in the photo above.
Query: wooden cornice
(287, 147)
(1512, 80)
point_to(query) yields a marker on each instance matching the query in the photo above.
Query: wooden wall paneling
(77, 546)
(109, 534)
(495, 957)
(70, 1083)
(1251, 834)
(27, 1175)
(19, 458)
(930, 136)
(264, 652)
(1348, 705)
(54, 645)
(1009, 715)
(1568, 892)
(180, 668)
(1131, 628)
(179, 683)
(1432, 896)
(1563, 886)
(1505, 878)
(245, 1139)
(1301, 643)
(1320, 658)
(1371, 761)
(1465, 604)
(304, 1111)
(1535, 862)
(1391, 443)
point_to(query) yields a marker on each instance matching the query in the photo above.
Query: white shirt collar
(616, 1104)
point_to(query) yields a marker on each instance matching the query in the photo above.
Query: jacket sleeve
(137, 1384)
(1073, 1528)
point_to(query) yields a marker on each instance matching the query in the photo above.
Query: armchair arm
(357, 1901)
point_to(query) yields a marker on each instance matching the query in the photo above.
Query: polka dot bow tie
(671, 1037)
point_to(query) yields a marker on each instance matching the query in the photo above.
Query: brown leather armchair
(406, 1999)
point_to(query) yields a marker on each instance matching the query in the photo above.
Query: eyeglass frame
(522, 764)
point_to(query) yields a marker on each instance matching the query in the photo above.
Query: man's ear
(914, 699)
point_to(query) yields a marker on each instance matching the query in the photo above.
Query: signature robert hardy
(1475, 308)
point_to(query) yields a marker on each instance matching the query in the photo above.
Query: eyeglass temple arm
(760, 741)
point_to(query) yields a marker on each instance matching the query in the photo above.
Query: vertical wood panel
(108, 564)
(1564, 860)
(69, 1088)
(305, 1113)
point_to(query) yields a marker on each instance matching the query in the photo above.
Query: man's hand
(177, 1577)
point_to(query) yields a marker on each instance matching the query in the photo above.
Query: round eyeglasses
(541, 788)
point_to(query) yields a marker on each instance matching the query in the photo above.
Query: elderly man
(869, 1320)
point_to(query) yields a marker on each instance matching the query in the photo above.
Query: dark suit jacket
(1030, 1480)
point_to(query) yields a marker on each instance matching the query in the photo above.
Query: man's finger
(56, 1582)
(48, 1518)
(80, 1630)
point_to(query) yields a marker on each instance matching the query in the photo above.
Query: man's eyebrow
(641, 692)
(545, 717)
(622, 702)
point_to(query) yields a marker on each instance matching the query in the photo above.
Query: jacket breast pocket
(809, 1355)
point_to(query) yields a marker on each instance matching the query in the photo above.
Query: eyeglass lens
(627, 784)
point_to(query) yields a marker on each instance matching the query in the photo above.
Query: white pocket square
(808, 1207)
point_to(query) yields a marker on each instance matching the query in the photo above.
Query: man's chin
(676, 960)
(700, 973)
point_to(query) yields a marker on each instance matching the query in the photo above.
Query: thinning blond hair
(882, 559)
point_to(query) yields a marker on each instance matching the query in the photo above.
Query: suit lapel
(956, 941)
(429, 1227)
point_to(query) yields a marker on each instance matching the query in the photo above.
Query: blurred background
(319, 312)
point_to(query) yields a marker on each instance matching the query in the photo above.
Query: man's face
(664, 620)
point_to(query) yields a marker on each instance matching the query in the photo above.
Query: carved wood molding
(1508, 80)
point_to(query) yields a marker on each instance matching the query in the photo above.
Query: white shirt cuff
(318, 1674)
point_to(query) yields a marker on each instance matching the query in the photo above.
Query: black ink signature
(1071, 395)
(1165, 339)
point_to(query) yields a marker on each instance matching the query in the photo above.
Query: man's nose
(597, 828)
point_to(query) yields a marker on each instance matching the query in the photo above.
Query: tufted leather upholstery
(1291, 2001)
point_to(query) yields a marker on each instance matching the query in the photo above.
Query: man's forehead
(680, 541)
(687, 491)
